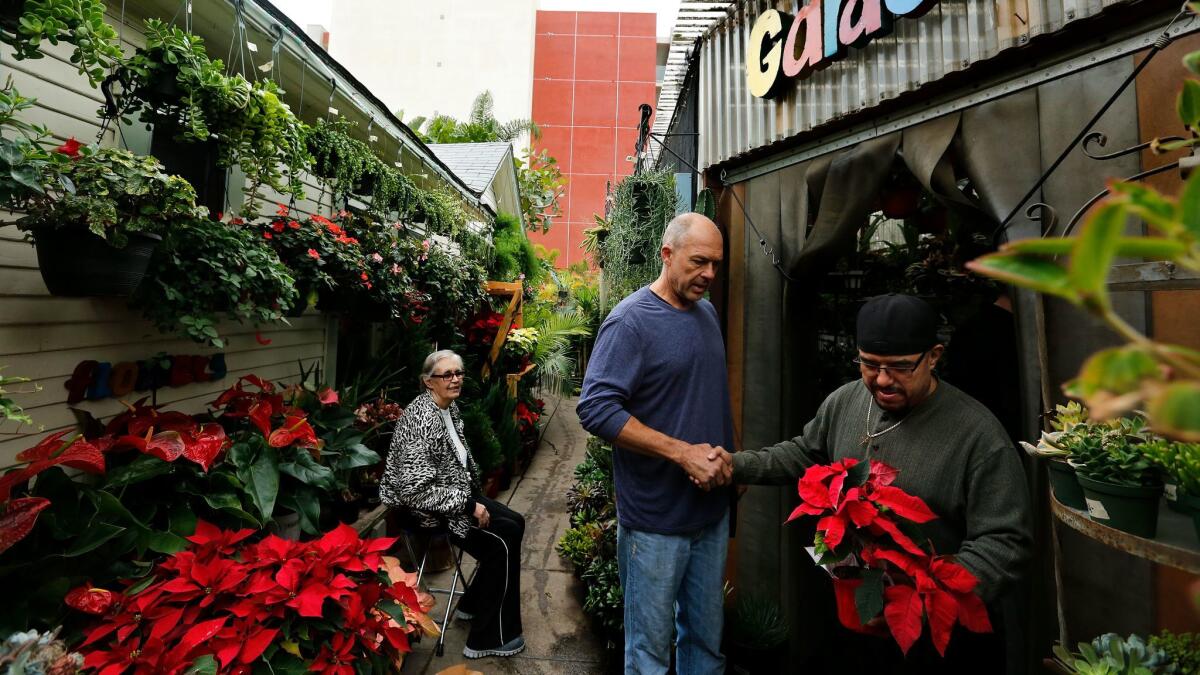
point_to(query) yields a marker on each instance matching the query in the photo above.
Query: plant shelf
(1175, 545)
(1152, 276)
(369, 519)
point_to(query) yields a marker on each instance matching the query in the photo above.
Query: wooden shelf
(1175, 545)
(1152, 276)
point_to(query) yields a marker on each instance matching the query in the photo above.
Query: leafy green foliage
(642, 206)
(1179, 461)
(172, 81)
(1110, 654)
(9, 410)
(757, 622)
(205, 269)
(1114, 381)
(542, 184)
(1181, 648)
(480, 127)
(114, 192)
(514, 254)
(1112, 453)
(591, 542)
(455, 287)
(481, 437)
(25, 162)
(77, 22)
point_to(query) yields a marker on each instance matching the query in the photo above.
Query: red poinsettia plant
(882, 566)
(333, 605)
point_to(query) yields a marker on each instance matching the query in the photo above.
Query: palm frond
(482, 109)
(556, 373)
(509, 131)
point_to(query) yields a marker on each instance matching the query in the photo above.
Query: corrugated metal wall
(951, 36)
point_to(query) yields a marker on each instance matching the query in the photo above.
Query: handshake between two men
(708, 466)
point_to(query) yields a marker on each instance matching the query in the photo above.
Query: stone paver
(558, 637)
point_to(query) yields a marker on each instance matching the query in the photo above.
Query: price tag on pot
(1096, 509)
(1170, 488)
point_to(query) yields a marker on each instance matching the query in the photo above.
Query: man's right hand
(708, 466)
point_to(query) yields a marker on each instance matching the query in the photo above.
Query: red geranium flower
(312, 253)
(70, 148)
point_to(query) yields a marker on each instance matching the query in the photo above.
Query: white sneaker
(511, 648)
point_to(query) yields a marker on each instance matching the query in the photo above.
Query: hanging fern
(642, 206)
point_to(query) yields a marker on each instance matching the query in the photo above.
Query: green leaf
(306, 470)
(355, 456)
(162, 542)
(93, 538)
(1119, 370)
(1189, 207)
(1188, 104)
(262, 481)
(868, 597)
(109, 505)
(1128, 247)
(1095, 250)
(205, 665)
(857, 475)
(141, 469)
(1175, 411)
(1027, 271)
(1192, 62)
(306, 502)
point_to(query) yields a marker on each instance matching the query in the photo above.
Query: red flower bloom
(267, 235)
(293, 224)
(312, 253)
(70, 148)
(17, 519)
(277, 226)
(91, 600)
(336, 657)
(327, 396)
(282, 210)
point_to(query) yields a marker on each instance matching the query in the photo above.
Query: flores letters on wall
(95, 380)
(783, 47)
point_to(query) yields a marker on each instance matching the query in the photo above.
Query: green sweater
(951, 452)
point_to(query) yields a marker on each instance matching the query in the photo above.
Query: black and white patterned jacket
(423, 472)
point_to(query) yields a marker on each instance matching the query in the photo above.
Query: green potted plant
(306, 247)
(1183, 649)
(77, 22)
(1121, 486)
(172, 82)
(757, 634)
(1056, 452)
(1110, 654)
(1180, 463)
(207, 269)
(337, 157)
(100, 216)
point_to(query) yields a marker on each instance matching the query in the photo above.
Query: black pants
(494, 596)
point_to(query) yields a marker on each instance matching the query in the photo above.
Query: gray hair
(679, 227)
(432, 360)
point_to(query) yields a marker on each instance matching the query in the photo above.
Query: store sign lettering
(93, 380)
(783, 47)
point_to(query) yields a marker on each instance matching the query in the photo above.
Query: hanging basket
(76, 263)
(10, 14)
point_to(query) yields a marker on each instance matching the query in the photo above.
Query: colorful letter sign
(782, 47)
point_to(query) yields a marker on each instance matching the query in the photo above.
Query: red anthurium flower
(70, 148)
(167, 445)
(80, 454)
(91, 600)
(204, 445)
(327, 396)
(295, 430)
(17, 519)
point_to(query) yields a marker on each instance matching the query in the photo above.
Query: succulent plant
(1111, 654)
(34, 653)
(1112, 452)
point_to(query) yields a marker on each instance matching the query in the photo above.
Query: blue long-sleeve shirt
(666, 367)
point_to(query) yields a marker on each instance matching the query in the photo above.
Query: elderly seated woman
(431, 473)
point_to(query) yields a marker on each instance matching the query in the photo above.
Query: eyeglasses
(449, 375)
(898, 369)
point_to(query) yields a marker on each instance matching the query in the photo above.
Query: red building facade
(591, 71)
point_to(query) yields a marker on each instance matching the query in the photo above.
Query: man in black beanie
(950, 451)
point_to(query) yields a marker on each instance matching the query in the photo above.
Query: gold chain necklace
(868, 436)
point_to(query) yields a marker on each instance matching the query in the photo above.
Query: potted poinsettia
(335, 605)
(98, 216)
(866, 532)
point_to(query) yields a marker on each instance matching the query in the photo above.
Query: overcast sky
(305, 12)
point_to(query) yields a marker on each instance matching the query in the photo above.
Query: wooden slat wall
(44, 337)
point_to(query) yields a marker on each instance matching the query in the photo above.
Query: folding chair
(432, 535)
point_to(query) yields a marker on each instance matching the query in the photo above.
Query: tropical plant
(757, 622)
(514, 257)
(109, 191)
(77, 22)
(1163, 378)
(1110, 654)
(593, 239)
(454, 286)
(35, 653)
(25, 162)
(542, 184)
(335, 604)
(481, 125)
(205, 269)
(481, 437)
(554, 353)
(643, 204)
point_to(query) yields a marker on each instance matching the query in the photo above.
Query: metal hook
(332, 91)
(1043, 212)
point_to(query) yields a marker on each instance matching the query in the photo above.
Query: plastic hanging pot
(1189, 504)
(1132, 509)
(76, 263)
(1171, 492)
(10, 14)
(1066, 487)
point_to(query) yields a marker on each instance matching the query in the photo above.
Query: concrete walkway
(558, 636)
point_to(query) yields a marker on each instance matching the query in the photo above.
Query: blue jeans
(673, 581)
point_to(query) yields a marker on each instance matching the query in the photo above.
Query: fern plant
(643, 204)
